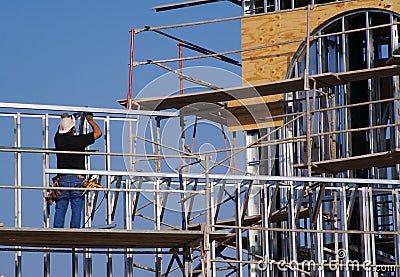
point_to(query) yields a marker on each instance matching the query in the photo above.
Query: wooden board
(271, 88)
(382, 159)
(254, 116)
(100, 238)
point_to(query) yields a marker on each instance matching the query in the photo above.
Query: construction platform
(382, 159)
(100, 238)
(271, 88)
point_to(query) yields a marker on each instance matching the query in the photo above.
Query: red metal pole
(129, 97)
(180, 68)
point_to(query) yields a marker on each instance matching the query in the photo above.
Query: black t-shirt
(72, 143)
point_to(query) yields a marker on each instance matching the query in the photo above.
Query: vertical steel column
(265, 233)
(336, 234)
(74, 262)
(132, 149)
(371, 215)
(88, 263)
(157, 225)
(396, 228)
(320, 239)
(307, 90)
(292, 225)
(131, 58)
(158, 200)
(129, 99)
(18, 192)
(128, 226)
(89, 197)
(180, 68)
(234, 141)
(287, 157)
(371, 92)
(206, 239)
(344, 227)
(239, 241)
(212, 222)
(395, 132)
(365, 223)
(109, 205)
(287, 197)
(308, 133)
(282, 249)
(266, 167)
(332, 138)
(346, 142)
(252, 166)
(158, 135)
(46, 180)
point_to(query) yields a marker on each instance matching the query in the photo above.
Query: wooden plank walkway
(381, 159)
(103, 238)
(283, 86)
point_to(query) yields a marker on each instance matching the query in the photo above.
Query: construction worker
(65, 139)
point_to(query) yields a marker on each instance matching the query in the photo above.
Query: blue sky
(77, 53)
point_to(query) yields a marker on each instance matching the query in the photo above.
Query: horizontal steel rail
(85, 109)
(226, 176)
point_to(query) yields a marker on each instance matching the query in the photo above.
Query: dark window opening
(301, 3)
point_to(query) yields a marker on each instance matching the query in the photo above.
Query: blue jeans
(76, 198)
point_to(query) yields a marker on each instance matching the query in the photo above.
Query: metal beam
(222, 177)
(18, 106)
(196, 48)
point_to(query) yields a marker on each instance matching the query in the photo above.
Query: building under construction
(302, 178)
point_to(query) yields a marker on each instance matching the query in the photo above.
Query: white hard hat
(66, 124)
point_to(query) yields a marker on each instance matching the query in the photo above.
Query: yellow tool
(93, 185)
(93, 182)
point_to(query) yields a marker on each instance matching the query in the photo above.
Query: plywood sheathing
(271, 64)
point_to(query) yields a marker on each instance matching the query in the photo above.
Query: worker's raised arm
(96, 129)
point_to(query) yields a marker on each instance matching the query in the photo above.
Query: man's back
(67, 142)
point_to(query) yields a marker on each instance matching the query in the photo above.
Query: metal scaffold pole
(131, 141)
(206, 239)
(46, 181)
(107, 160)
(88, 217)
(18, 192)
(253, 209)
(396, 212)
(314, 237)
(128, 226)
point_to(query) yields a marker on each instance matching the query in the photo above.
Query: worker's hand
(89, 116)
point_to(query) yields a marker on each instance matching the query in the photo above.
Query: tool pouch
(53, 195)
(84, 183)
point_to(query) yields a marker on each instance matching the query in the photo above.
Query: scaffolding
(304, 201)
